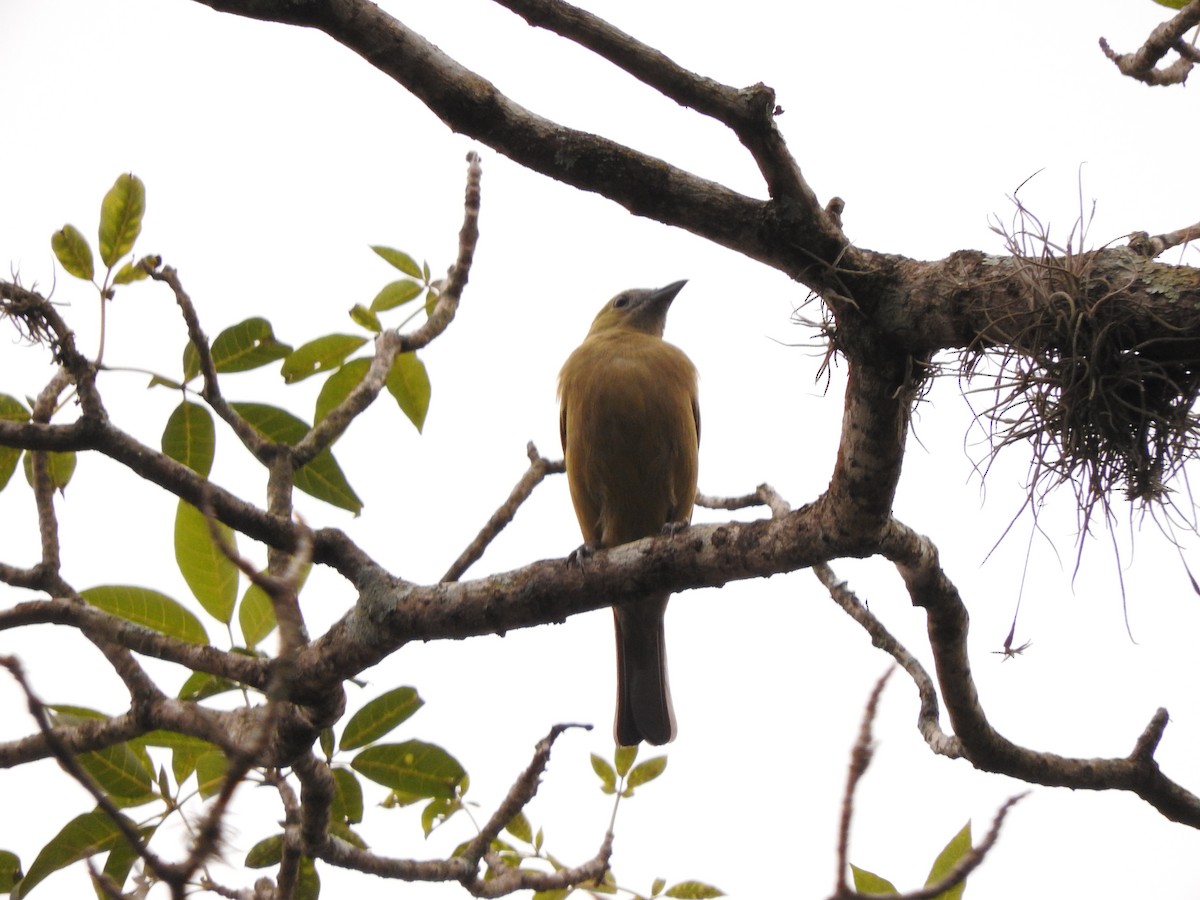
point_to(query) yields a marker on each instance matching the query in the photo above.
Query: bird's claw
(673, 528)
(577, 556)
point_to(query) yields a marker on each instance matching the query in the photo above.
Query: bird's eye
(620, 301)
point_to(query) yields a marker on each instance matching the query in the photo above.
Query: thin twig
(860, 759)
(539, 468)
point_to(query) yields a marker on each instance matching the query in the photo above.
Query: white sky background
(273, 157)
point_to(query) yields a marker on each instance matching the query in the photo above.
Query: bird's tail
(644, 711)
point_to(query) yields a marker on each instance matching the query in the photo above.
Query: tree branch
(917, 561)
(1142, 64)
(539, 468)
(769, 231)
(390, 344)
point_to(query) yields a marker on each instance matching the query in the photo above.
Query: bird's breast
(630, 435)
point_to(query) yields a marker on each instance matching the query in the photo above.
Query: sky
(273, 158)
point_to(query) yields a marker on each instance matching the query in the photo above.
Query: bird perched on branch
(630, 425)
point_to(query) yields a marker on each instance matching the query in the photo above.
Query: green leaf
(256, 615)
(59, 466)
(380, 716)
(399, 259)
(136, 271)
(121, 217)
(10, 870)
(191, 362)
(606, 885)
(959, 846)
(436, 812)
(644, 772)
(408, 382)
(518, 826)
(185, 750)
(347, 796)
(693, 890)
(501, 850)
(397, 293)
(624, 759)
(337, 387)
(83, 836)
(869, 883)
(413, 767)
(173, 740)
(163, 783)
(308, 883)
(121, 772)
(73, 253)
(364, 317)
(183, 764)
(68, 714)
(211, 769)
(211, 575)
(11, 410)
(267, 852)
(322, 478)
(347, 834)
(147, 607)
(1173, 4)
(319, 355)
(121, 859)
(273, 423)
(245, 346)
(129, 273)
(608, 778)
(657, 886)
(9, 456)
(201, 685)
(190, 437)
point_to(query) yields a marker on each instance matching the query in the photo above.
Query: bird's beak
(664, 295)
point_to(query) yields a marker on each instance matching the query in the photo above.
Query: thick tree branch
(98, 624)
(749, 112)
(389, 615)
(330, 546)
(770, 231)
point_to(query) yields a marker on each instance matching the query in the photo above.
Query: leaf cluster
(165, 769)
(145, 781)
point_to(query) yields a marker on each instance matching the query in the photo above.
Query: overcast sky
(273, 157)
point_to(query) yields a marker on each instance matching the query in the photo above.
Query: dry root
(1104, 409)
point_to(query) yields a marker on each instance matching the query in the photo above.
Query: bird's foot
(673, 528)
(577, 556)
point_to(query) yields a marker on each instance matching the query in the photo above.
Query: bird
(629, 419)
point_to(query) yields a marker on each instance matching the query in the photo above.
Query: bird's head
(640, 309)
